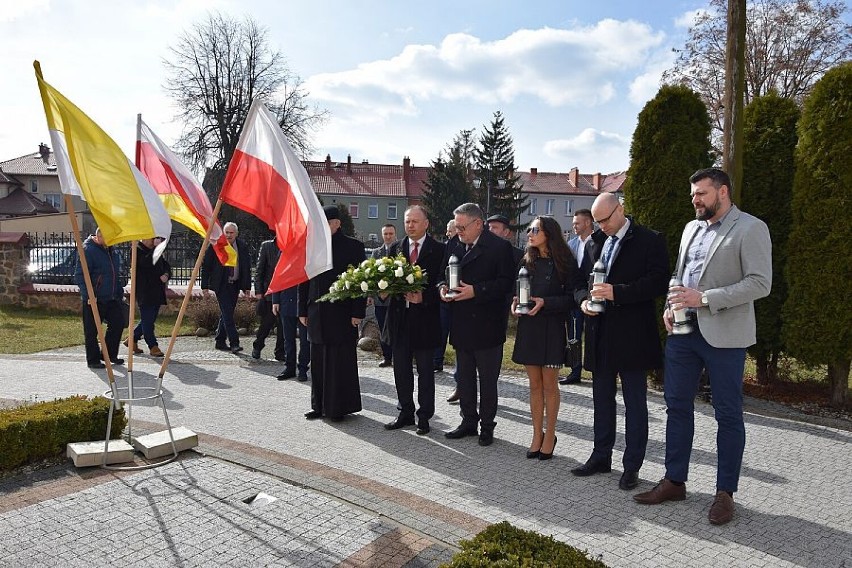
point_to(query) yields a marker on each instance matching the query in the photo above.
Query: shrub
(506, 546)
(245, 315)
(204, 312)
(38, 431)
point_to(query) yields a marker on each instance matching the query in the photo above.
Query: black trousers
(268, 320)
(112, 313)
(403, 375)
(486, 363)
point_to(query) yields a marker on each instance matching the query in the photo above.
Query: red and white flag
(266, 179)
(180, 192)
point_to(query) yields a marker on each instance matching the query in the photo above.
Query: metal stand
(116, 401)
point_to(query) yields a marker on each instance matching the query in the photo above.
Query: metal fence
(53, 257)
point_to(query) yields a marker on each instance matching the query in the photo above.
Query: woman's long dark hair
(558, 249)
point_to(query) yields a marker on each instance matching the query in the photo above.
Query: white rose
(398, 272)
(365, 286)
(410, 279)
(332, 289)
(348, 284)
(365, 263)
(381, 268)
(367, 272)
(383, 284)
(398, 262)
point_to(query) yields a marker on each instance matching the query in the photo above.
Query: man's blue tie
(608, 252)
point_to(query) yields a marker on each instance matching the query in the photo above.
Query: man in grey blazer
(725, 263)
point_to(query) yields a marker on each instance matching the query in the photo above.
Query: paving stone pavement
(354, 494)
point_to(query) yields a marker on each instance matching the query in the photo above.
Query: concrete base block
(88, 454)
(158, 444)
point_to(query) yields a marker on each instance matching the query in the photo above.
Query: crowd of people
(724, 264)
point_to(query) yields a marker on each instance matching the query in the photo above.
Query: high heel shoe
(531, 455)
(543, 456)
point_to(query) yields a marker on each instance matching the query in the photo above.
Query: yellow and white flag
(91, 165)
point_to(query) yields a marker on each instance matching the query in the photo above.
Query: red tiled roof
(20, 203)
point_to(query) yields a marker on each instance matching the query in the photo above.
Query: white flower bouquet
(387, 276)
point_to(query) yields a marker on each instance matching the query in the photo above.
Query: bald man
(622, 341)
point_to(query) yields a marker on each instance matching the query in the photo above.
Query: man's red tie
(413, 258)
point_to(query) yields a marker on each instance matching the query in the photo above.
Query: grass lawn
(32, 330)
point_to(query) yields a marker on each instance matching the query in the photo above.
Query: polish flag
(266, 179)
(179, 190)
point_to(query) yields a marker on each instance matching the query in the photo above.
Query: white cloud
(11, 10)
(591, 146)
(687, 19)
(580, 67)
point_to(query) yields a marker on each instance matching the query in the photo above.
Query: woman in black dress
(541, 340)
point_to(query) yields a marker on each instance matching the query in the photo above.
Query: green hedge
(39, 431)
(503, 545)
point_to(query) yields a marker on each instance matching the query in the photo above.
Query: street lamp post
(477, 183)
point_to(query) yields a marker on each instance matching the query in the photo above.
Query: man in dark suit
(227, 282)
(501, 226)
(284, 306)
(478, 320)
(333, 330)
(582, 225)
(414, 324)
(623, 341)
(267, 258)
(381, 306)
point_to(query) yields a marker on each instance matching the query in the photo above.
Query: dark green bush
(504, 545)
(39, 431)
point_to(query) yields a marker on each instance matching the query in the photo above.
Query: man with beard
(725, 263)
(333, 330)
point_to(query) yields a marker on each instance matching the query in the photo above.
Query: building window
(391, 210)
(373, 211)
(533, 205)
(33, 186)
(54, 199)
(548, 208)
(569, 208)
(353, 210)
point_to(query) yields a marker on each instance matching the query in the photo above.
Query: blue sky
(400, 78)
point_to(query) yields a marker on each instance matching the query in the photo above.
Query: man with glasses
(725, 263)
(623, 341)
(478, 321)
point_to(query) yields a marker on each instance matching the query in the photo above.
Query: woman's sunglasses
(533, 230)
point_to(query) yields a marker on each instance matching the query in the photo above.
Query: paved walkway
(353, 494)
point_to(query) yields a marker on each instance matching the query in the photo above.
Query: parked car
(53, 264)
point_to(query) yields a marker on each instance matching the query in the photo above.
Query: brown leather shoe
(722, 510)
(135, 348)
(664, 491)
(156, 351)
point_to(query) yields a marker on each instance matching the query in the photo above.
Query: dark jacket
(150, 289)
(287, 301)
(330, 322)
(213, 274)
(380, 252)
(267, 259)
(104, 269)
(421, 323)
(639, 273)
(481, 322)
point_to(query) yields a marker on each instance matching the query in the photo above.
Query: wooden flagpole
(195, 270)
(93, 302)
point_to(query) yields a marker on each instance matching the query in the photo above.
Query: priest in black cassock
(333, 331)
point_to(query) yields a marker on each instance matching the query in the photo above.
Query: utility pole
(732, 132)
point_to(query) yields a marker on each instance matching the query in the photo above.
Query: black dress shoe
(461, 432)
(313, 414)
(236, 349)
(386, 363)
(454, 398)
(423, 428)
(97, 365)
(255, 353)
(486, 438)
(570, 380)
(400, 422)
(591, 468)
(629, 480)
(286, 374)
(117, 361)
(222, 347)
(302, 378)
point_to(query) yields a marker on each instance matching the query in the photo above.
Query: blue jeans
(686, 356)
(147, 319)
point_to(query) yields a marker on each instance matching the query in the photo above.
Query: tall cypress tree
(769, 142)
(817, 315)
(495, 165)
(671, 142)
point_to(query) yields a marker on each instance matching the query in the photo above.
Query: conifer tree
(495, 167)
(448, 184)
(769, 142)
(817, 316)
